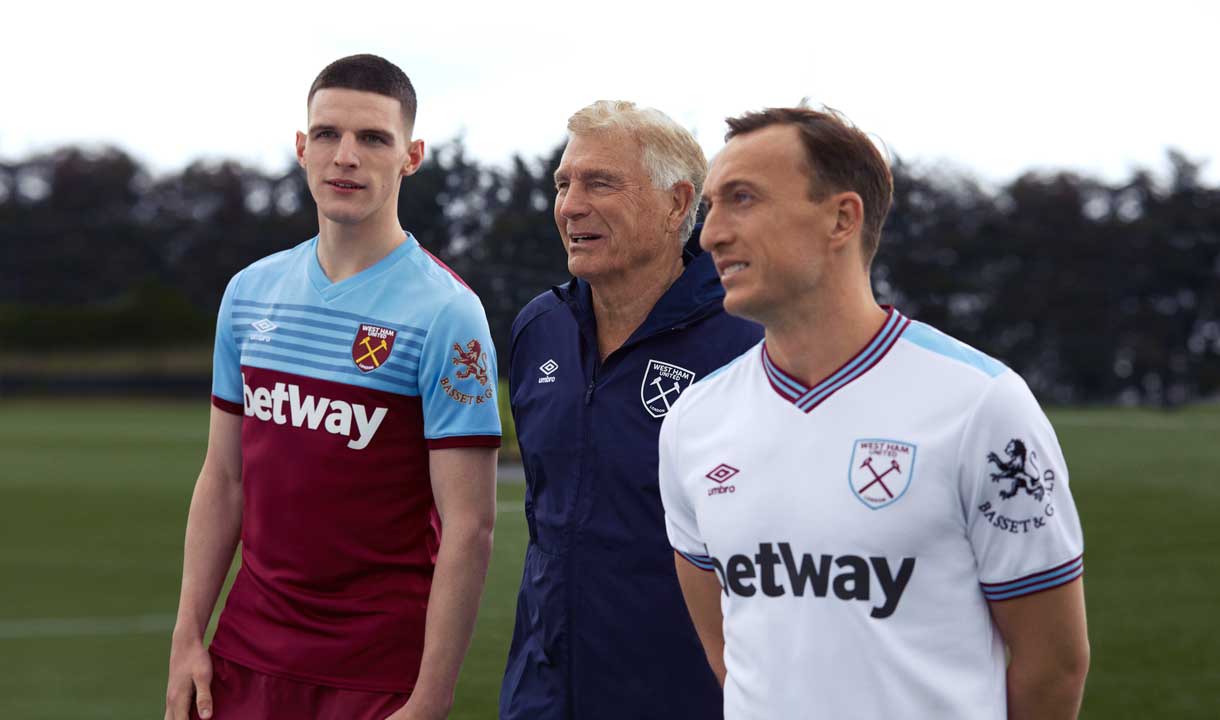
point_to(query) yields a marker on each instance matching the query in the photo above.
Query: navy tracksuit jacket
(602, 630)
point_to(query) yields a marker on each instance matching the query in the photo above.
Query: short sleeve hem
(1035, 583)
(227, 405)
(703, 562)
(461, 441)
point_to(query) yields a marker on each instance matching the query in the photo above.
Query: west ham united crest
(663, 383)
(880, 471)
(372, 347)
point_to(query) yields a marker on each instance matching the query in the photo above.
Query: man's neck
(814, 338)
(622, 303)
(345, 250)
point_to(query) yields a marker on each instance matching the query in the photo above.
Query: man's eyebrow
(728, 187)
(600, 175)
(380, 132)
(587, 175)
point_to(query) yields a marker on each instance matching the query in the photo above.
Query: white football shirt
(859, 527)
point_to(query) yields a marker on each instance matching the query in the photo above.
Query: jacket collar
(695, 295)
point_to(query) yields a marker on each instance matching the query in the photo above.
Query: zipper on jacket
(592, 383)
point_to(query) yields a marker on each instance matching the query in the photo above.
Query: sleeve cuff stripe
(1029, 589)
(702, 562)
(464, 441)
(1037, 577)
(227, 406)
(1036, 588)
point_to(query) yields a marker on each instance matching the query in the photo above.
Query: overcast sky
(993, 88)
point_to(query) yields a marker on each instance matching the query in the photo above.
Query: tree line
(1096, 292)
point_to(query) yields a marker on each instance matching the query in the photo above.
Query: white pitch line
(83, 626)
(123, 625)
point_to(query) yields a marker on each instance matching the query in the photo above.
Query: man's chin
(342, 217)
(582, 268)
(736, 303)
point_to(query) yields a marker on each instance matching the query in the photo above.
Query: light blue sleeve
(226, 358)
(457, 377)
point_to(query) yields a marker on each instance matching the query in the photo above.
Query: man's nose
(573, 202)
(715, 231)
(345, 154)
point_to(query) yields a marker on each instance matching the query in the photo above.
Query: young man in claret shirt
(352, 449)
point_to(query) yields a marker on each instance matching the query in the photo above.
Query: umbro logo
(548, 369)
(261, 328)
(720, 475)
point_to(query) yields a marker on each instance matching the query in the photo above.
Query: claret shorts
(239, 693)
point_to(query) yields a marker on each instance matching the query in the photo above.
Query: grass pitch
(94, 494)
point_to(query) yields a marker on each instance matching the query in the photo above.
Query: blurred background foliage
(1096, 292)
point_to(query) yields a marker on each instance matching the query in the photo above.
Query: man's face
(767, 237)
(610, 217)
(355, 152)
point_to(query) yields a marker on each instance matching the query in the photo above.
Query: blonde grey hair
(668, 150)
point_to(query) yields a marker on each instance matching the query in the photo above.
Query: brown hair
(840, 158)
(369, 73)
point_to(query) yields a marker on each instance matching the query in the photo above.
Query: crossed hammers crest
(868, 463)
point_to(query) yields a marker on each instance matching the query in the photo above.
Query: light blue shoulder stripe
(933, 340)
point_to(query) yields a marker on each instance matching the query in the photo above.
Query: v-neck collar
(332, 290)
(807, 398)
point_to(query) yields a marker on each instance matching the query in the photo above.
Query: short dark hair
(840, 158)
(369, 73)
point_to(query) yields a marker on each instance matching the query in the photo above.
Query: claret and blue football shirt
(344, 388)
(859, 527)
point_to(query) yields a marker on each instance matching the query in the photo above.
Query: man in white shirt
(866, 512)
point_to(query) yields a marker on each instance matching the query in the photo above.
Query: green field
(93, 500)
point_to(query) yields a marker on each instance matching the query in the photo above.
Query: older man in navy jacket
(602, 630)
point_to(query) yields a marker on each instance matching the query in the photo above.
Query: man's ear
(301, 148)
(415, 158)
(682, 196)
(848, 210)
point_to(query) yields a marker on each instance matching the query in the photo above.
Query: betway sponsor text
(810, 572)
(333, 416)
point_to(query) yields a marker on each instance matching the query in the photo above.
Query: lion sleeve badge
(1022, 519)
(469, 382)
